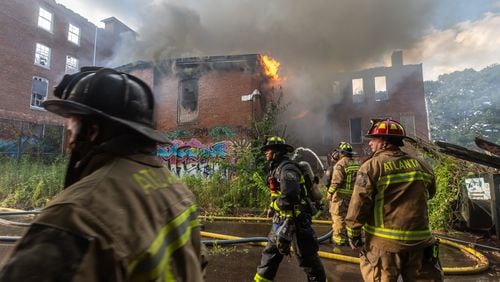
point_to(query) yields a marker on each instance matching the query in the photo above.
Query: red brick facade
(221, 83)
(403, 101)
(19, 35)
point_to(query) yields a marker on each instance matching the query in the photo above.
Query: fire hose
(482, 263)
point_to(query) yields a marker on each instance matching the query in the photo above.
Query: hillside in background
(465, 104)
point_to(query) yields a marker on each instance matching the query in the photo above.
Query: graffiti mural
(194, 157)
(19, 138)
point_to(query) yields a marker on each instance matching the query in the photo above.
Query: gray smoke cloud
(311, 39)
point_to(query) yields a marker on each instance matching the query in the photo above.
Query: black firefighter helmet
(277, 143)
(110, 94)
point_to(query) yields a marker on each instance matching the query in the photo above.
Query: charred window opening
(188, 100)
(355, 126)
(380, 88)
(358, 94)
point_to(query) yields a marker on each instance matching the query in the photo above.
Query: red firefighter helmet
(388, 127)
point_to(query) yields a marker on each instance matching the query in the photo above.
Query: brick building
(395, 92)
(40, 42)
(207, 98)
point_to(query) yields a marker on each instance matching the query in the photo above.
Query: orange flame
(270, 66)
(301, 115)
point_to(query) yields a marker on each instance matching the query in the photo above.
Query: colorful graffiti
(194, 157)
(18, 138)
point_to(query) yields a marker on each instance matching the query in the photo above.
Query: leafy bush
(30, 183)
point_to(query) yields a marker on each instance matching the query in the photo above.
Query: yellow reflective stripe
(350, 170)
(353, 232)
(154, 262)
(404, 177)
(403, 235)
(259, 278)
(378, 207)
(385, 181)
(339, 240)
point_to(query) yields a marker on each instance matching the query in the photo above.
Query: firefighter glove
(355, 242)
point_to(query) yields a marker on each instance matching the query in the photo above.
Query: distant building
(395, 92)
(209, 98)
(40, 42)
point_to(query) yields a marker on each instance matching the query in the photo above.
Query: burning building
(395, 92)
(209, 98)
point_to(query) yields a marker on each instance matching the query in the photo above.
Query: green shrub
(30, 183)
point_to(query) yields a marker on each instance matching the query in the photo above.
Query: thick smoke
(311, 39)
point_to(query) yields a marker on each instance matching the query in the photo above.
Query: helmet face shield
(109, 94)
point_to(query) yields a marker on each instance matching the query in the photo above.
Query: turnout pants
(338, 211)
(414, 265)
(306, 249)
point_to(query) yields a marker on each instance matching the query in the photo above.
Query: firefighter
(332, 159)
(389, 203)
(122, 215)
(340, 191)
(291, 224)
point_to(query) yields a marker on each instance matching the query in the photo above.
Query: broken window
(71, 64)
(380, 88)
(408, 122)
(358, 94)
(39, 88)
(74, 34)
(45, 19)
(355, 127)
(188, 100)
(42, 55)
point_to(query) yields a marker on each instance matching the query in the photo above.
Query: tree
(464, 104)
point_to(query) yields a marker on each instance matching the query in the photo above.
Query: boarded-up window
(358, 94)
(39, 87)
(408, 122)
(188, 100)
(355, 127)
(380, 88)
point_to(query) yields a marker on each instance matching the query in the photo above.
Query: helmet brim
(287, 147)
(390, 135)
(66, 108)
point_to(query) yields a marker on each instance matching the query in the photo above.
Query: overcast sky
(444, 35)
(311, 39)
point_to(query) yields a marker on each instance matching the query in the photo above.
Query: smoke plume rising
(311, 39)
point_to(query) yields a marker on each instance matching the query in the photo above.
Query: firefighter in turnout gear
(389, 203)
(340, 191)
(291, 224)
(122, 215)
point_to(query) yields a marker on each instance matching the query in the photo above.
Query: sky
(443, 35)
(311, 39)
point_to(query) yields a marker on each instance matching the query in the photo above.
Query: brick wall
(406, 97)
(19, 35)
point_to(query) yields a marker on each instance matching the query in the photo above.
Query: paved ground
(238, 262)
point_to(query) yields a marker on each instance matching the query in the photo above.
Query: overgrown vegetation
(237, 187)
(30, 183)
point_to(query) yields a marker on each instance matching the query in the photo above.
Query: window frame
(43, 21)
(358, 97)
(183, 116)
(70, 68)
(72, 35)
(360, 131)
(39, 53)
(34, 100)
(381, 95)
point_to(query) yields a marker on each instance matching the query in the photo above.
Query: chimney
(397, 58)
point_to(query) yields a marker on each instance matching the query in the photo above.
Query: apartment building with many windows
(41, 41)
